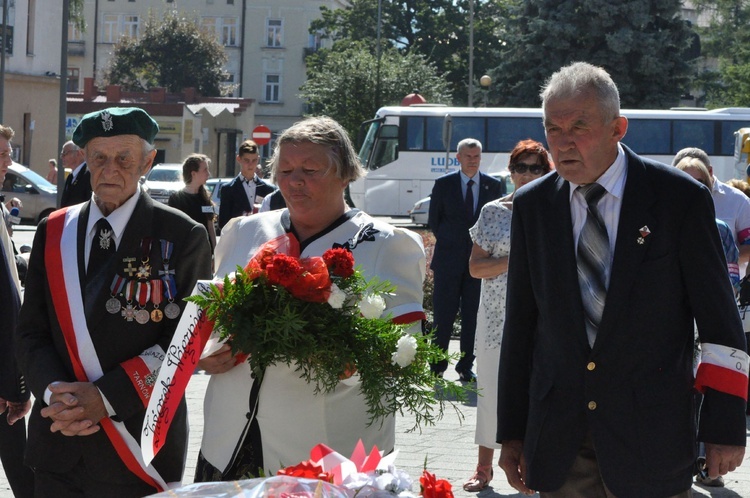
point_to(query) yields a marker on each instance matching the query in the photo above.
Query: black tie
(469, 200)
(102, 250)
(593, 260)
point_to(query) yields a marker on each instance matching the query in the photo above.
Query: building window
(30, 27)
(130, 27)
(229, 31)
(314, 41)
(74, 34)
(273, 88)
(223, 28)
(74, 75)
(116, 25)
(273, 33)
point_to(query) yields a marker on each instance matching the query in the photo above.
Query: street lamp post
(471, 53)
(485, 81)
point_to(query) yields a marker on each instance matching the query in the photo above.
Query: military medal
(144, 270)
(130, 269)
(128, 312)
(143, 293)
(171, 310)
(113, 303)
(156, 314)
(105, 238)
(142, 316)
(644, 231)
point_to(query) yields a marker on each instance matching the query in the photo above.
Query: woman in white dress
(489, 261)
(251, 426)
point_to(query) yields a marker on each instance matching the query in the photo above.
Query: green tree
(341, 83)
(172, 52)
(436, 29)
(641, 43)
(726, 39)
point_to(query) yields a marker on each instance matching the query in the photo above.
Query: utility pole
(2, 60)
(471, 53)
(63, 105)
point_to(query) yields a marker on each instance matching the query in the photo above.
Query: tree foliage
(342, 83)
(726, 39)
(172, 52)
(438, 30)
(641, 43)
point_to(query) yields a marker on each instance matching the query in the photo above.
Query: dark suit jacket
(78, 190)
(234, 201)
(640, 371)
(449, 223)
(44, 357)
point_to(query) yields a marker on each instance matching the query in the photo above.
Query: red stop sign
(261, 135)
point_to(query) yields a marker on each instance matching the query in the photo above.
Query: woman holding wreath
(250, 425)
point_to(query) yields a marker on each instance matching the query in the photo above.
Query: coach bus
(406, 148)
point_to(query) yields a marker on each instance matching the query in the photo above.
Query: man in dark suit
(244, 195)
(613, 260)
(78, 183)
(104, 292)
(14, 396)
(455, 203)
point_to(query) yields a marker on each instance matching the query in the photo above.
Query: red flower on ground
(283, 270)
(340, 262)
(306, 470)
(433, 487)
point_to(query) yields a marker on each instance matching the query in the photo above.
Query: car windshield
(164, 175)
(39, 181)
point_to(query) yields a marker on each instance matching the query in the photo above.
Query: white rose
(372, 306)
(337, 297)
(406, 351)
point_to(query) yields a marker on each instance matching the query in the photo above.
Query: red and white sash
(61, 261)
(724, 369)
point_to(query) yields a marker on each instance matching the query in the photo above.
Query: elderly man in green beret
(104, 292)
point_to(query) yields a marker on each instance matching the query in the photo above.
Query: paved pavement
(448, 448)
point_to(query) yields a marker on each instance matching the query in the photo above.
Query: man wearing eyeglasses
(78, 184)
(455, 203)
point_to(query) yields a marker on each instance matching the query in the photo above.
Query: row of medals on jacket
(141, 290)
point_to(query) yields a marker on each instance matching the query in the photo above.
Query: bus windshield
(372, 133)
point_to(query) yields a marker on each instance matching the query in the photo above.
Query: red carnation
(283, 270)
(306, 470)
(340, 262)
(313, 283)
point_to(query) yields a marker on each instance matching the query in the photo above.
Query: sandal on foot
(481, 478)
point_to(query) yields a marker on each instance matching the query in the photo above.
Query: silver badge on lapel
(105, 239)
(107, 124)
(644, 230)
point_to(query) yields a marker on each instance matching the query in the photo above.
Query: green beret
(115, 121)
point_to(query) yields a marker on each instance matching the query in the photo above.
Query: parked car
(420, 212)
(39, 197)
(213, 185)
(163, 180)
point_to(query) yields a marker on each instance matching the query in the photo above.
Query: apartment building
(31, 90)
(265, 42)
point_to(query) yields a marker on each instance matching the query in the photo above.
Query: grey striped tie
(593, 260)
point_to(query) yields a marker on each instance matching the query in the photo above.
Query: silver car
(163, 180)
(39, 197)
(421, 210)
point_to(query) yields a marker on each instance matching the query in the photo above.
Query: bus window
(693, 134)
(467, 128)
(414, 133)
(386, 147)
(367, 143)
(649, 136)
(504, 133)
(435, 133)
(727, 135)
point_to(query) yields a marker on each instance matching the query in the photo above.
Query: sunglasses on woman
(521, 168)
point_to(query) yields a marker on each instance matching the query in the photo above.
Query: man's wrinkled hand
(722, 458)
(75, 408)
(514, 465)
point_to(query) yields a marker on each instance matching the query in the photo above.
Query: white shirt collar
(465, 178)
(78, 169)
(613, 179)
(118, 218)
